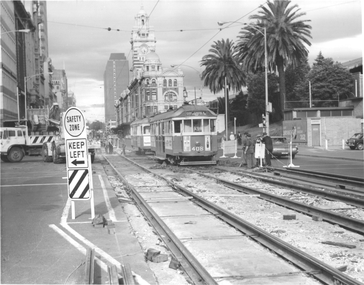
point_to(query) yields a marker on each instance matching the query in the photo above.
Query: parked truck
(41, 134)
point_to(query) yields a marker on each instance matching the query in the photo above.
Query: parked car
(356, 141)
(281, 147)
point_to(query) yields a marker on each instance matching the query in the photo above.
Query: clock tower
(142, 39)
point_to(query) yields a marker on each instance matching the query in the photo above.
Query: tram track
(349, 196)
(351, 183)
(308, 264)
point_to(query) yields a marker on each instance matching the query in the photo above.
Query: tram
(140, 135)
(185, 136)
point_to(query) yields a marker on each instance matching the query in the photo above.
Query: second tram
(185, 136)
(140, 135)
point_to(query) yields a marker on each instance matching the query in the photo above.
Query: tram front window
(177, 126)
(212, 125)
(206, 125)
(147, 130)
(187, 126)
(197, 126)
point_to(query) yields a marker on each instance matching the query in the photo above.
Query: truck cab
(12, 143)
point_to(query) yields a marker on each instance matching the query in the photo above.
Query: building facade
(152, 89)
(60, 88)
(25, 70)
(116, 79)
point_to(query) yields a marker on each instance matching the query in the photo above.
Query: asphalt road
(33, 195)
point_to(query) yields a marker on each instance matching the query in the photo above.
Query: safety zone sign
(79, 184)
(74, 123)
(77, 154)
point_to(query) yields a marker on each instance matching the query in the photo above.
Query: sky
(185, 30)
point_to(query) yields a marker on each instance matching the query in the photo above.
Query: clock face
(144, 50)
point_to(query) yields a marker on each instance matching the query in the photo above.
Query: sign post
(79, 171)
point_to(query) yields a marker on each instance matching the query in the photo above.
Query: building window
(325, 114)
(165, 82)
(336, 113)
(170, 97)
(154, 94)
(170, 82)
(175, 83)
(147, 67)
(153, 67)
(347, 113)
(154, 81)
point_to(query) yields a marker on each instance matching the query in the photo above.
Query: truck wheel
(55, 153)
(45, 156)
(16, 154)
(360, 146)
(4, 158)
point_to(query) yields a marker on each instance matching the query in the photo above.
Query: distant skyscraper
(116, 79)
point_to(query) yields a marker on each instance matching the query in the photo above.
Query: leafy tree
(239, 110)
(256, 97)
(97, 125)
(330, 82)
(221, 65)
(295, 78)
(285, 35)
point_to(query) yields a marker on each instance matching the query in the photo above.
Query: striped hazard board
(78, 184)
(40, 139)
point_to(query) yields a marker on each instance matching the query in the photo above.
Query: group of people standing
(248, 147)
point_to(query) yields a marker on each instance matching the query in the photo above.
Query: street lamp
(199, 75)
(17, 31)
(265, 67)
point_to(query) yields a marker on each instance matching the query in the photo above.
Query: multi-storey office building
(116, 79)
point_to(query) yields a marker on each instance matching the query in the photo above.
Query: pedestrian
(123, 145)
(111, 147)
(239, 139)
(267, 140)
(243, 155)
(249, 151)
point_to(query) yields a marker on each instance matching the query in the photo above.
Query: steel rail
(349, 223)
(192, 267)
(312, 266)
(348, 180)
(358, 202)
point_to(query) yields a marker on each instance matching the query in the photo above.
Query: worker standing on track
(123, 145)
(249, 151)
(267, 140)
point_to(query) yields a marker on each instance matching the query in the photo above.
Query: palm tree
(222, 68)
(286, 37)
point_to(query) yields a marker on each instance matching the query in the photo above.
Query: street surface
(33, 196)
(36, 230)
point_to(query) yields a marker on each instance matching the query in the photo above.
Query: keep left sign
(76, 152)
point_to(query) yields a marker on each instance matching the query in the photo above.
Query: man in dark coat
(267, 140)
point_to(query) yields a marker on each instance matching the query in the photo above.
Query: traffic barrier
(229, 147)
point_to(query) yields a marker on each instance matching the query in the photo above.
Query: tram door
(315, 134)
